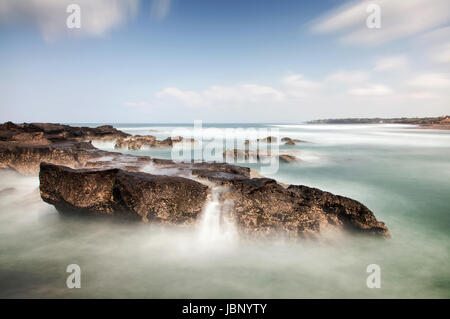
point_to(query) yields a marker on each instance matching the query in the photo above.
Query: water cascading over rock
(216, 223)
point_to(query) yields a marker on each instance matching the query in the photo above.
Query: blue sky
(222, 61)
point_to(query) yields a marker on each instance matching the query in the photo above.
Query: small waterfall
(216, 224)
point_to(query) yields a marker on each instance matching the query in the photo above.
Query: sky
(223, 61)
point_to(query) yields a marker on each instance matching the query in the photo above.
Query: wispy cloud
(440, 54)
(372, 90)
(296, 85)
(392, 63)
(431, 81)
(347, 77)
(97, 17)
(228, 96)
(399, 19)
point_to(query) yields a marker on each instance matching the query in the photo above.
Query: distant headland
(437, 123)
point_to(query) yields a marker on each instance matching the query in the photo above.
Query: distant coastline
(435, 123)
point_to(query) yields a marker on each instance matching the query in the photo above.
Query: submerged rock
(257, 155)
(291, 141)
(268, 139)
(288, 158)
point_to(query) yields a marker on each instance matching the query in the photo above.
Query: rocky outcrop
(268, 139)
(137, 142)
(246, 154)
(151, 198)
(257, 155)
(286, 158)
(26, 158)
(291, 141)
(24, 146)
(262, 207)
(59, 132)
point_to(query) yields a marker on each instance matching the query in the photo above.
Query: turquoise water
(401, 173)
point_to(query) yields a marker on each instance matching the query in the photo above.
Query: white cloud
(431, 81)
(160, 9)
(372, 90)
(392, 63)
(97, 17)
(297, 86)
(399, 19)
(347, 77)
(441, 54)
(222, 95)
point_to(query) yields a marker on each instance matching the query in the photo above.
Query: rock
(264, 207)
(137, 142)
(261, 206)
(291, 141)
(26, 158)
(58, 131)
(115, 192)
(246, 154)
(348, 213)
(287, 158)
(23, 147)
(256, 155)
(268, 139)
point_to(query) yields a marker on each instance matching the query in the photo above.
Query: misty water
(401, 173)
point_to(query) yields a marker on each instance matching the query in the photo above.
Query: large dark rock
(58, 131)
(154, 198)
(261, 206)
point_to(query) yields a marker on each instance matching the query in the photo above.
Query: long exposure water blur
(399, 172)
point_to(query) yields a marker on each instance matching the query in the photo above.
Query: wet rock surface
(147, 197)
(137, 142)
(261, 206)
(291, 141)
(24, 146)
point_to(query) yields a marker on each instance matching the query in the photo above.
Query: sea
(400, 172)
